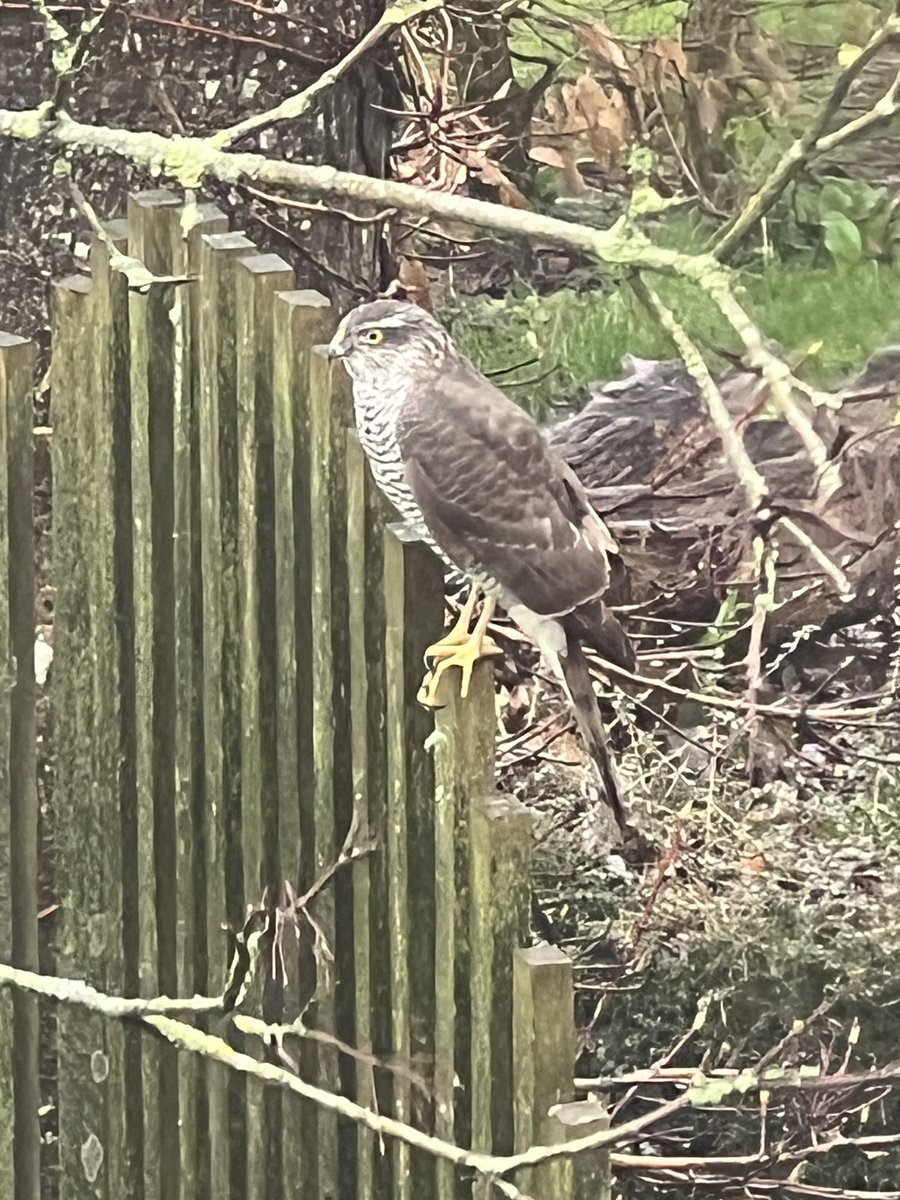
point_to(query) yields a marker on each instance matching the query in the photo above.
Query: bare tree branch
(493, 1167)
(188, 160)
(752, 481)
(815, 140)
(887, 107)
(778, 376)
(394, 16)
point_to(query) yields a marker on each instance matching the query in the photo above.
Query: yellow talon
(457, 635)
(459, 648)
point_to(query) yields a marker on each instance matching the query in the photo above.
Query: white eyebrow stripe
(341, 332)
(394, 322)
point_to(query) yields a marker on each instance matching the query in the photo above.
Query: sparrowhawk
(472, 473)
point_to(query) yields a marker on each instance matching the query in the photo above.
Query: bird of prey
(471, 472)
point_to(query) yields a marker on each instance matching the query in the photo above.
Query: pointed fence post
(367, 514)
(413, 590)
(500, 900)
(464, 775)
(258, 279)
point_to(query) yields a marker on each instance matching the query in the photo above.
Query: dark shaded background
(224, 62)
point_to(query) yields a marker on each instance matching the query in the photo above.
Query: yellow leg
(463, 653)
(458, 633)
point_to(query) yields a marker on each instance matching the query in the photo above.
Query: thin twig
(778, 376)
(324, 210)
(212, 31)
(885, 108)
(843, 584)
(393, 17)
(753, 482)
(741, 463)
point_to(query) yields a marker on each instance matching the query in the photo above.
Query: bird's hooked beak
(336, 348)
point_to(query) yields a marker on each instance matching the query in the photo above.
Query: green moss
(187, 160)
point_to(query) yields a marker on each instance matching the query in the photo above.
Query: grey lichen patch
(99, 1066)
(91, 1157)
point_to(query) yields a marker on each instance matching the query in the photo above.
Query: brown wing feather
(498, 500)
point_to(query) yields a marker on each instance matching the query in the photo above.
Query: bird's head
(381, 342)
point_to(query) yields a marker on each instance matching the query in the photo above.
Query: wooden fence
(237, 644)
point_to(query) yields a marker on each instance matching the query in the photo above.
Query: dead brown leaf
(547, 156)
(671, 56)
(755, 863)
(598, 38)
(494, 176)
(413, 278)
(710, 96)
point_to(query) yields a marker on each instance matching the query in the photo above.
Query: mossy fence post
(19, 1064)
(238, 645)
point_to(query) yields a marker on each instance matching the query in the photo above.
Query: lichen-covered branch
(778, 376)
(188, 160)
(753, 482)
(885, 108)
(186, 1037)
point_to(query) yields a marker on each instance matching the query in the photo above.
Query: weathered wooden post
(190, 805)
(152, 217)
(500, 901)
(88, 730)
(543, 1057)
(222, 717)
(295, 771)
(258, 279)
(305, 685)
(164, 568)
(366, 517)
(413, 590)
(464, 774)
(590, 1170)
(19, 1051)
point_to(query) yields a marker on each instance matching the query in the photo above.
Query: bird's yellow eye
(373, 336)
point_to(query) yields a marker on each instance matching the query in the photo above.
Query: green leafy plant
(844, 220)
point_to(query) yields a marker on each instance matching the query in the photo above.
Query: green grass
(578, 338)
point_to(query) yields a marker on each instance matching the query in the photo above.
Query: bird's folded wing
(498, 500)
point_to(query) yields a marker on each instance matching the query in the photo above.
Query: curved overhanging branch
(155, 1013)
(188, 160)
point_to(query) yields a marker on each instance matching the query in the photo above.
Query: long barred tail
(577, 678)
